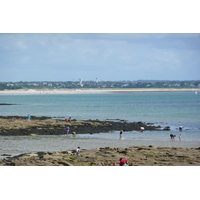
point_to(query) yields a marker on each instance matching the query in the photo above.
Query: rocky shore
(109, 156)
(47, 126)
(106, 153)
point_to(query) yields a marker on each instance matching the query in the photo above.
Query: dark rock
(64, 163)
(103, 126)
(5, 155)
(7, 104)
(152, 146)
(167, 128)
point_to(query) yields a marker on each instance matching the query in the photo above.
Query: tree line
(101, 84)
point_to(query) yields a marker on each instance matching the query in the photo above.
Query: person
(179, 137)
(120, 134)
(29, 117)
(69, 119)
(13, 118)
(78, 151)
(122, 162)
(67, 130)
(172, 136)
(180, 128)
(141, 129)
(74, 133)
(125, 164)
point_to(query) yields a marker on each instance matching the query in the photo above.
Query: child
(78, 151)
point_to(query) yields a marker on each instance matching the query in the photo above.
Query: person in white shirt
(78, 151)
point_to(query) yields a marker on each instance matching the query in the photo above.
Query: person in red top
(123, 161)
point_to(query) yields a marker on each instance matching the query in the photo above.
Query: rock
(5, 154)
(167, 128)
(64, 163)
(152, 146)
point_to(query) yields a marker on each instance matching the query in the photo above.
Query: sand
(91, 91)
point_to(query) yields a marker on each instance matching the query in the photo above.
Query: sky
(106, 56)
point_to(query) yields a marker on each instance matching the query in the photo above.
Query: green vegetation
(99, 84)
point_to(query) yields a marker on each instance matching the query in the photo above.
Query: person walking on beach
(179, 137)
(74, 134)
(67, 130)
(29, 117)
(172, 137)
(120, 134)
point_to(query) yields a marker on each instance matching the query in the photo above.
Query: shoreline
(92, 91)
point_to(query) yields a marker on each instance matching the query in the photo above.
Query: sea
(172, 109)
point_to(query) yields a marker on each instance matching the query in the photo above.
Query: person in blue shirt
(67, 130)
(29, 117)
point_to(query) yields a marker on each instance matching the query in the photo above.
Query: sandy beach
(91, 91)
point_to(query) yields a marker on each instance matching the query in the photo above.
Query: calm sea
(166, 109)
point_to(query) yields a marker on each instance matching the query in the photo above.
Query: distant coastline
(93, 91)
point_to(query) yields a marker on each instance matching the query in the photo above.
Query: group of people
(172, 137)
(69, 119)
(120, 133)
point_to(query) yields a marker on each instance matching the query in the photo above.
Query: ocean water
(172, 109)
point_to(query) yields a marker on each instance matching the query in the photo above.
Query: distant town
(98, 84)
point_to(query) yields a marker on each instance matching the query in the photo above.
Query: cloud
(110, 56)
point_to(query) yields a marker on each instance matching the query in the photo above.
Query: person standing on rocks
(29, 117)
(78, 151)
(120, 134)
(123, 162)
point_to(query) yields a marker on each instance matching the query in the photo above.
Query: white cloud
(120, 56)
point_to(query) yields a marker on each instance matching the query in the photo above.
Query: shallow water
(165, 109)
(26, 144)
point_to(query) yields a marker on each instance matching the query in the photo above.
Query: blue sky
(106, 56)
